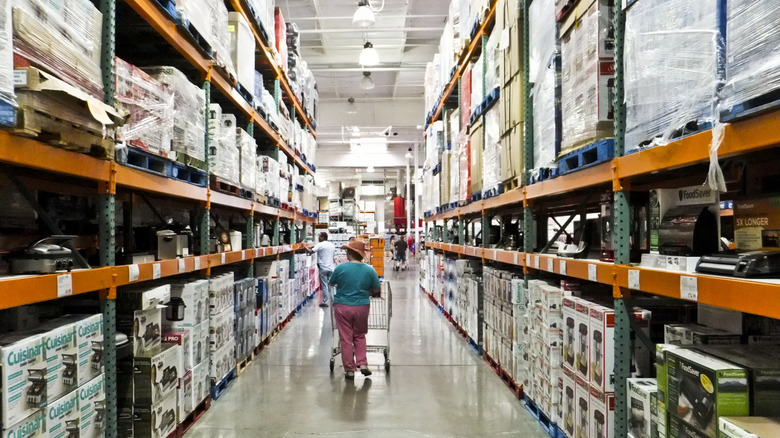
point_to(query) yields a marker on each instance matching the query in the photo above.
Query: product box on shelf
(223, 361)
(23, 368)
(242, 50)
(221, 293)
(640, 403)
(661, 351)
(143, 297)
(582, 346)
(195, 295)
(587, 74)
(602, 413)
(582, 405)
(201, 383)
(158, 420)
(62, 418)
(200, 343)
(756, 222)
(92, 405)
(221, 329)
(695, 334)
(143, 329)
(476, 141)
(89, 336)
(183, 338)
(156, 375)
(702, 388)
(62, 357)
(33, 426)
(570, 331)
(569, 402)
(185, 396)
(748, 427)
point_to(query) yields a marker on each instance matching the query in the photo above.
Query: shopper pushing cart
(358, 307)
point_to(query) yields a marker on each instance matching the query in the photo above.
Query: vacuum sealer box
(702, 388)
(92, 404)
(757, 223)
(143, 329)
(143, 298)
(22, 358)
(31, 427)
(640, 404)
(662, 382)
(63, 415)
(158, 420)
(156, 375)
(749, 427)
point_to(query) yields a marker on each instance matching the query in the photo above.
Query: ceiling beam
(349, 17)
(371, 69)
(375, 30)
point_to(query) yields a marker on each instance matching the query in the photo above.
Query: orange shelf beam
(138, 179)
(22, 290)
(26, 152)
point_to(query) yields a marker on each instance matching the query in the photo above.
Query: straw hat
(358, 246)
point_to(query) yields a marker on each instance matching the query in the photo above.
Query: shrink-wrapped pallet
(543, 75)
(6, 56)
(242, 51)
(270, 169)
(150, 108)
(491, 164)
(673, 65)
(62, 37)
(189, 104)
(248, 150)
(210, 19)
(224, 154)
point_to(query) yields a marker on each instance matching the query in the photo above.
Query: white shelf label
(133, 272)
(182, 265)
(517, 258)
(64, 285)
(689, 288)
(243, 255)
(593, 273)
(536, 262)
(563, 267)
(156, 271)
(197, 263)
(550, 265)
(528, 260)
(633, 279)
(222, 257)
(257, 252)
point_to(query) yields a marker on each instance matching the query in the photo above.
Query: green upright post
(275, 241)
(486, 219)
(528, 138)
(445, 233)
(461, 231)
(205, 220)
(621, 235)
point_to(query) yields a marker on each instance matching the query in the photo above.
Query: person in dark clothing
(400, 254)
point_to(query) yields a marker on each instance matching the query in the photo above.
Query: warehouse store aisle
(438, 386)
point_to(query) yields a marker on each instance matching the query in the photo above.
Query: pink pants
(352, 323)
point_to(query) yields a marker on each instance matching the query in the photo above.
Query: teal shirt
(353, 282)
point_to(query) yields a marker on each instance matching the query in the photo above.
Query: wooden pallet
(512, 183)
(190, 161)
(242, 366)
(186, 424)
(223, 186)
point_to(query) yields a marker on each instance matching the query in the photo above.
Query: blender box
(156, 375)
(195, 296)
(158, 420)
(62, 352)
(640, 404)
(221, 329)
(89, 338)
(143, 297)
(582, 408)
(182, 338)
(200, 343)
(143, 328)
(23, 369)
(568, 402)
(749, 427)
(570, 337)
(582, 346)
(763, 373)
(602, 357)
(33, 426)
(602, 411)
(222, 361)
(62, 416)
(185, 396)
(702, 388)
(661, 381)
(92, 405)
(201, 383)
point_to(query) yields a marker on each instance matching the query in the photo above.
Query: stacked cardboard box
(248, 164)
(510, 79)
(498, 332)
(210, 19)
(221, 339)
(242, 51)
(544, 74)
(245, 322)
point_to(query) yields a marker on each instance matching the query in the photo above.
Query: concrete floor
(438, 386)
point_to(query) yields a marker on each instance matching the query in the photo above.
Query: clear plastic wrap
(270, 170)
(189, 128)
(455, 173)
(753, 61)
(493, 58)
(64, 37)
(491, 158)
(6, 54)
(248, 151)
(672, 61)
(224, 155)
(220, 40)
(477, 82)
(429, 84)
(242, 50)
(150, 106)
(587, 77)
(542, 74)
(465, 170)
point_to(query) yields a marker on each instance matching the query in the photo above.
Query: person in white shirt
(325, 252)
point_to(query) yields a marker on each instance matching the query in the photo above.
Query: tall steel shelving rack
(24, 153)
(741, 137)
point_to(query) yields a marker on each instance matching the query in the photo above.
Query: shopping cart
(379, 315)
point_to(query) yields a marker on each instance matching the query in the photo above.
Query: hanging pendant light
(364, 16)
(369, 55)
(367, 83)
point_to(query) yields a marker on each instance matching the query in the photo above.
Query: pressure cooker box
(703, 388)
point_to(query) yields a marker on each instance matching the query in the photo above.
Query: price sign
(633, 279)
(133, 272)
(243, 255)
(223, 257)
(197, 263)
(562, 264)
(64, 285)
(550, 265)
(536, 262)
(182, 265)
(528, 259)
(517, 258)
(156, 271)
(689, 288)
(257, 252)
(593, 274)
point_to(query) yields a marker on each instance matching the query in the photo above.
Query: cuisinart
(89, 339)
(24, 376)
(156, 376)
(62, 416)
(30, 427)
(92, 405)
(61, 351)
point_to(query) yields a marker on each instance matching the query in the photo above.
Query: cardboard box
(223, 361)
(143, 297)
(476, 142)
(242, 50)
(62, 353)
(703, 388)
(182, 338)
(569, 410)
(92, 404)
(695, 334)
(156, 375)
(195, 295)
(749, 427)
(582, 346)
(582, 407)
(34, 426)
(654, 432)
(661, 351)
(143, 329)
(201, 383)
(602, 408)
(23, 369)
(640, 404)
(220, 293)
(570, 337)
(89, 335)
(62, 419)
(757, 223)
(156, 421)
(221, 329)
(186, 394)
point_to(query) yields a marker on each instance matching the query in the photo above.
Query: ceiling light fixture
(408, 154)
(364, 16)
(369, 56)
(351, 107)
(367, 83)
(370, 169)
